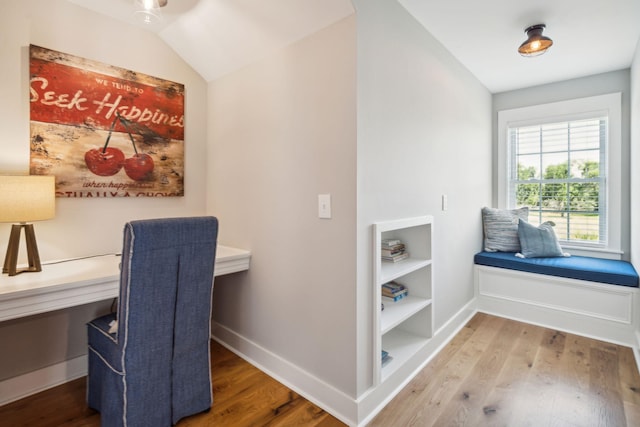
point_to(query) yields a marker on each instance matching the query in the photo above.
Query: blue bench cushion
(574, 267)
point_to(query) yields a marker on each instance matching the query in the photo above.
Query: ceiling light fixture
(536, 44)
(149, 10)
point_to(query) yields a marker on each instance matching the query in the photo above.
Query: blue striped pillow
(538, 242)
(500, 228)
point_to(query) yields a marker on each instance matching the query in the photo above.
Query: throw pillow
(500, 228)
(538, 242)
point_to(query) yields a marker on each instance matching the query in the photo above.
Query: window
(559, 160)
(558, 172)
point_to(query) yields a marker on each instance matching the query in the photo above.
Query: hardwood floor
(243, 396)
(495, 372)
(498, 372)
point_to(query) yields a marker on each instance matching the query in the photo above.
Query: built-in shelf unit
(404, 327)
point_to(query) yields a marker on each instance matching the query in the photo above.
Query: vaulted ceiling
(590, 36)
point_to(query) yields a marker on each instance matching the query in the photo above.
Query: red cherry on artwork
(138, 166)
(104, 161)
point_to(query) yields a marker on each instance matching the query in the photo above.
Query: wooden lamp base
(11, 259)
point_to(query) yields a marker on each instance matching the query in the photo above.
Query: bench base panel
(600, 311)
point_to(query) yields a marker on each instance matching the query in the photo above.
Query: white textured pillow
(501, 228)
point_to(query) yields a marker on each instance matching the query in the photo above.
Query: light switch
(445, 202)
(324, 206)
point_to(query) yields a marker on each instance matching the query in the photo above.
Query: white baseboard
(334, 401)
(16, 388)
(376, 399)
(347, 409)
(636, 351)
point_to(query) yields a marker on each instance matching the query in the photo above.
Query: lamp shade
(27, 198)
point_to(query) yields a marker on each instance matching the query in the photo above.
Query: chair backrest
(166, 286)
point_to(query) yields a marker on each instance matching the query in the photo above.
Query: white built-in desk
(76, 282)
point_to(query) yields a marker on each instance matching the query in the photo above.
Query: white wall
(635, 167)
(282, 131)
(424, 130)
(635, 159)
(600, 84)
(83, 226)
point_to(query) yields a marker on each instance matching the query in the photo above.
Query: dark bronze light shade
(536, 44)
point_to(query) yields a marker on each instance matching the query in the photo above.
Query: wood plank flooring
(498, 372)
(495, 372)
(243, 396)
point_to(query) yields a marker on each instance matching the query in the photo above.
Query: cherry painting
(104, 131)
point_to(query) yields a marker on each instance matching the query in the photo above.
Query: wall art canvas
(104, 131)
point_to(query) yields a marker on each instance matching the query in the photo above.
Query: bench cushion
(599, 270)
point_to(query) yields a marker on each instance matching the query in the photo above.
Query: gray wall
(281, 131)
(424, 130)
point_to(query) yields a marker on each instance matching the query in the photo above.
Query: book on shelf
(396, 247)
(393, 251)
(386, 243)
(397, 257)
(386, 358)
(389, 293)
(395, 294)
(393, 291)
(395, 298)
(392, 287)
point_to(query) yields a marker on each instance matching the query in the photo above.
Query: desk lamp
(24, 199)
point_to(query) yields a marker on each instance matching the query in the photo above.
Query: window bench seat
(588, 296)
(613, 272)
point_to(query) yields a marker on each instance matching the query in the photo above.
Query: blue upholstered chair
(156, 367)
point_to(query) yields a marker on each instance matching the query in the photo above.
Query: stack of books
(394, 291)
(385, 357)
(393, 250)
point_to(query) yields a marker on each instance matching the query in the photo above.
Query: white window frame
(575, 109)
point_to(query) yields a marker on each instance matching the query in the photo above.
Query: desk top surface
(77, 273)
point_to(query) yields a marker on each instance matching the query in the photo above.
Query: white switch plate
(324, 206)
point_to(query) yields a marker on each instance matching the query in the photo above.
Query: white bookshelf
(403, 327)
